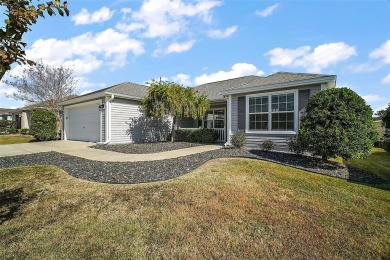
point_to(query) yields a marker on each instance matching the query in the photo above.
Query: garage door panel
(84, 123)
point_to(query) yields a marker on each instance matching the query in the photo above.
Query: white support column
(229, 118)
(107, 119)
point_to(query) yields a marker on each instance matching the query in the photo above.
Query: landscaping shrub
(24, 131)
(296, 146)
(386, 145)
(196, 135)
(7, 126)
(338, 123)
(267, 145)
(43, 125)
(238, 139)
(378, 144)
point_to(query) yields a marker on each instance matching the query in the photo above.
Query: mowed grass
(378, 163)
(227, 209)
(15, 139)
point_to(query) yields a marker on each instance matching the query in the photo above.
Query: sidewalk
(82, 150)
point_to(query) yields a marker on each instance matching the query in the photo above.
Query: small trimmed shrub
(267, 145)
(238, 139)
(297, 146)
(386, 145)
(196, 135)
(43, 125)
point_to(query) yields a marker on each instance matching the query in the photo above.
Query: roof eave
(81, 99)
(279, 85)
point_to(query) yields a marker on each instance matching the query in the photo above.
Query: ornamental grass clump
(238, 139)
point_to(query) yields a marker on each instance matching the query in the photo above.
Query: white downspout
(108, 121)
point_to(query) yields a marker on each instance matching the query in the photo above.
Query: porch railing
(221, 134)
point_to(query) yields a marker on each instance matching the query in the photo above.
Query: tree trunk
(2, 73)
(173, 129)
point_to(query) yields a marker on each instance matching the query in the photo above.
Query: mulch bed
(150, 171)
(144, 148)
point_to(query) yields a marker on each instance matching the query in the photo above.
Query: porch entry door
(216, 119)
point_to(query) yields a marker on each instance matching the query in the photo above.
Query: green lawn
(228, 208)
(377, 163)
(15, 139)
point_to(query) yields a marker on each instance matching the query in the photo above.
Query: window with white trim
(272, 112)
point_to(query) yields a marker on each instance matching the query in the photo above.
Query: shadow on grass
(10, 203)
(317, 165)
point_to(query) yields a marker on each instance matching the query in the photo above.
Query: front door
(216, 119)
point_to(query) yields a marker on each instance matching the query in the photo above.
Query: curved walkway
(83, 150)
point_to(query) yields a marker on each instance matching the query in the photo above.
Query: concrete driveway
(81, 149)
(39, 147)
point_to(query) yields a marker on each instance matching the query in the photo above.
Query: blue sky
(194, 42)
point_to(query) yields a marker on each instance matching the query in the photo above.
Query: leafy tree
(384, 115)
(338, 122)
(43, 125)
(21, 14)
(43, 86)
(171, 99)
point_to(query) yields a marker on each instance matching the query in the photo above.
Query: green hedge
(196, 135)
(43, 125)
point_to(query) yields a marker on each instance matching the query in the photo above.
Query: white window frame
(269, 94)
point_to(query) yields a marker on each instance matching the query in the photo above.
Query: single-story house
(263, 107)
(6, 114)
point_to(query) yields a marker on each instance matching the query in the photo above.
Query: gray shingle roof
(126, 88)
(278, 78)
(214, 89)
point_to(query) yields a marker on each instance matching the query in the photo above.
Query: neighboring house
(6, 114)
(263, 107)
(23, 116)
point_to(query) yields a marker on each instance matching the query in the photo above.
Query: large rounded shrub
(43, 125)
(338, 122)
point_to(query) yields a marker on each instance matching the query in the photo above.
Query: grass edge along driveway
(228, 208)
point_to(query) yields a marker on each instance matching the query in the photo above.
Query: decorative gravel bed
(140, 172)
(145, 147)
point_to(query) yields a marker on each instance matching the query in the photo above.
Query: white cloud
(83, 82)
(85, 92)
(267, 11)
(220, 34)
(124, 27)
(85, 17)
(383, 52)
(321, 57)
(7, 91)
(165, 18)
(237, 70)
(87, 52)
(386, 80)
(183, 79)
(180, 47)
(285, 57)
(371, 98)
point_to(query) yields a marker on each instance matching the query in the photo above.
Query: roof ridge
(229, 79)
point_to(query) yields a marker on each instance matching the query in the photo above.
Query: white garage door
(84, 123)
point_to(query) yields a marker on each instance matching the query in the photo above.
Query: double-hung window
(271, 112)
